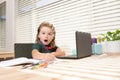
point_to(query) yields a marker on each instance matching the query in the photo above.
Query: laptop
(23, 50)
(83, 46)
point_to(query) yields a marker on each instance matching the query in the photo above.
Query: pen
(30, 65)
(26, 66)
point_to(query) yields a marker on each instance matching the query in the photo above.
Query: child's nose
(46, 35)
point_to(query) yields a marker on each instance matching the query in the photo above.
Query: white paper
(17, 61)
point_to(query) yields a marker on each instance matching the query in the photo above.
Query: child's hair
(49, 25)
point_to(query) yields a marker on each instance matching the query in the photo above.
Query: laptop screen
(83, 44)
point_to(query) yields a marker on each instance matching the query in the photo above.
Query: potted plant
(112, 41)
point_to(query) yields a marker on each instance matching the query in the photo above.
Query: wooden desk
(103, 67)
(6, 55)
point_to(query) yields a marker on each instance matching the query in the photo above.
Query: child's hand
(49, 57)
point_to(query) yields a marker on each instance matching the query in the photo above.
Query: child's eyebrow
(51, 32)
(47, 32)
(43, 31)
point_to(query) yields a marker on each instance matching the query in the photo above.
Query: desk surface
(6, 54)
(103, 67)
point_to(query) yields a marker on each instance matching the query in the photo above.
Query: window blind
(94, 16)
(2, 26)
(105, 16)
(23, 30)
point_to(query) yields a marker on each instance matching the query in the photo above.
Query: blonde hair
(49, 25)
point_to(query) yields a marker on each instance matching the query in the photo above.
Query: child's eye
(50, 34)
(43, 33)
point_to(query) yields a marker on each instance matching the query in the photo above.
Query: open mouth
(45, 40)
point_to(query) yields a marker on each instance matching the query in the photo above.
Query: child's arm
(37, 55)
(59, 52)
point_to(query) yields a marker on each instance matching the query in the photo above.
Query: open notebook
(83, 46)
(18, 61)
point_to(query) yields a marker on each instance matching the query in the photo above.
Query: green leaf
(117, 31)
(109, 33)
(108, 39)
(103, 39)
(111, 36)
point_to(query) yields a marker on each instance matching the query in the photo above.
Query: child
(45, 47)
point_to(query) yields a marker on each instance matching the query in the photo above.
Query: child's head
(46, 34)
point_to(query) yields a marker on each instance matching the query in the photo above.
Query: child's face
(46, 35)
